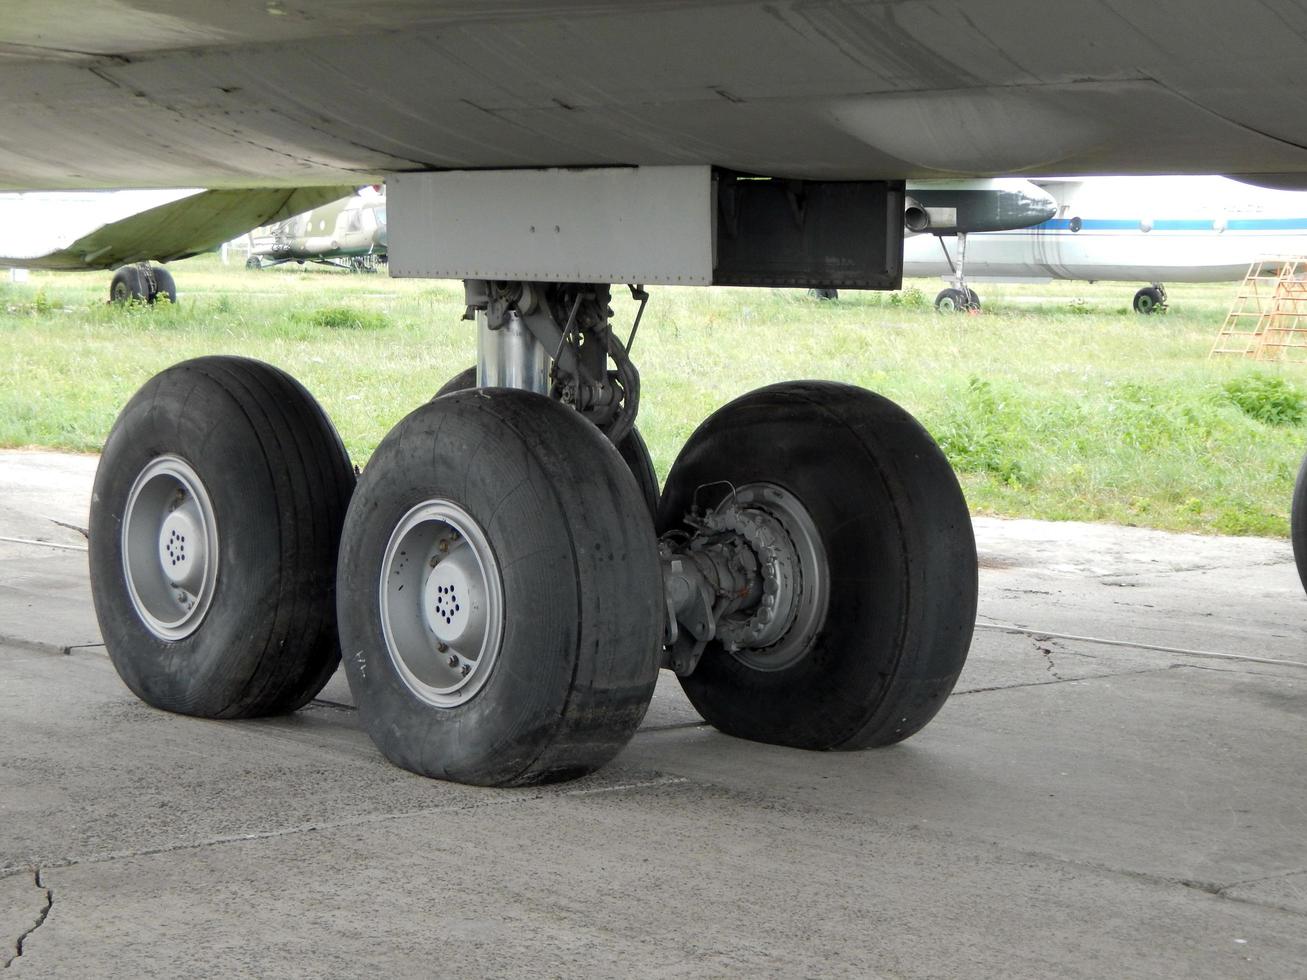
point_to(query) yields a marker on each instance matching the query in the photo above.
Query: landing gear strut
(958, 298)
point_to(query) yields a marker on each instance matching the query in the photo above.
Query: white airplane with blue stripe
(1129, 229)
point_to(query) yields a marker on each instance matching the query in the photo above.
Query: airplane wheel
(214, 525)
(881, 566)
(1148, 300)
(632, 448)
(127, 284)
(1299, 523)
(973, 299)
(500, 594)
(951, 301)
(164, 285)
(254, 263)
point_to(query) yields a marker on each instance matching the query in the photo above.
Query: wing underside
(177, 230)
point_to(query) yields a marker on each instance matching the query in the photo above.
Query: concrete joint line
(1065, 680)
(1018, 630)
(41, 916)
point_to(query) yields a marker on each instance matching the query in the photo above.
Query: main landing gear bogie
(509, 579)
(142, 283)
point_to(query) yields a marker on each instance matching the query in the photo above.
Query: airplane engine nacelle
(917, 218)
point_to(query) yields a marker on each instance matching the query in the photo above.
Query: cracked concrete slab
(1283, 891)
(24, 903)
(682, 880)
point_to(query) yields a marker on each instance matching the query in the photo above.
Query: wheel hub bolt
(453, 660)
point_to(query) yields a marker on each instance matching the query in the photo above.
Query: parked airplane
(502, 596)
(1154, 229)
(128, 230)
(346, 234)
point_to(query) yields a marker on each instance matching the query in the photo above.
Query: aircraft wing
(178, 93)
(179, 229)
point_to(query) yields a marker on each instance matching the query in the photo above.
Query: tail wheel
(1299, 523)
(499, 593)
(214, 525)
(870, 557)
(632, 448)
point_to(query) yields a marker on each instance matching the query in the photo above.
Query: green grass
(1056, 402)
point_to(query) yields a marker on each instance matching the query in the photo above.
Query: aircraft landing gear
(1151, 299)
(503, 595)
(958, 298)
(142, 282)
(214, 525)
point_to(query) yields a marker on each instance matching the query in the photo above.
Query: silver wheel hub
(170, 548)
(442, 605)
(778, 630)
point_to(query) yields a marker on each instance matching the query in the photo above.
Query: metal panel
(809, 233)
(618, 224)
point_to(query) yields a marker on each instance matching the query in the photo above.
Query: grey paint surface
(1078, 809)
(185, 92)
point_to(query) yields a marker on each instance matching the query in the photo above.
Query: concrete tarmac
(1117, 788)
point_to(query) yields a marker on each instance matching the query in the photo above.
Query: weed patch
(1268, 399)
(345, 318)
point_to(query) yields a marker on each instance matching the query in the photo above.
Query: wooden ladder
(1268, 319)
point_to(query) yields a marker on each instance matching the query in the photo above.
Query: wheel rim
(170, 548)
(778, 632)
(442, 603)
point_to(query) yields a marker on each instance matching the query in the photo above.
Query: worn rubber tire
(581, 583)
(280, 481)
(950, 300)
(1299, 523)
(164, 285)
(632, 448)
(900, 551)
(254, 263)
(127, 285)
(1149, 300)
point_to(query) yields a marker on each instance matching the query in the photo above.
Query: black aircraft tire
(632, 447)
(276, 482)
(127, 285)
(1299, 523)
(901, 561)
(950, 301)
(1149, 300)
(973, 299)
(559, 572)
(164, 285)
(254, 263)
